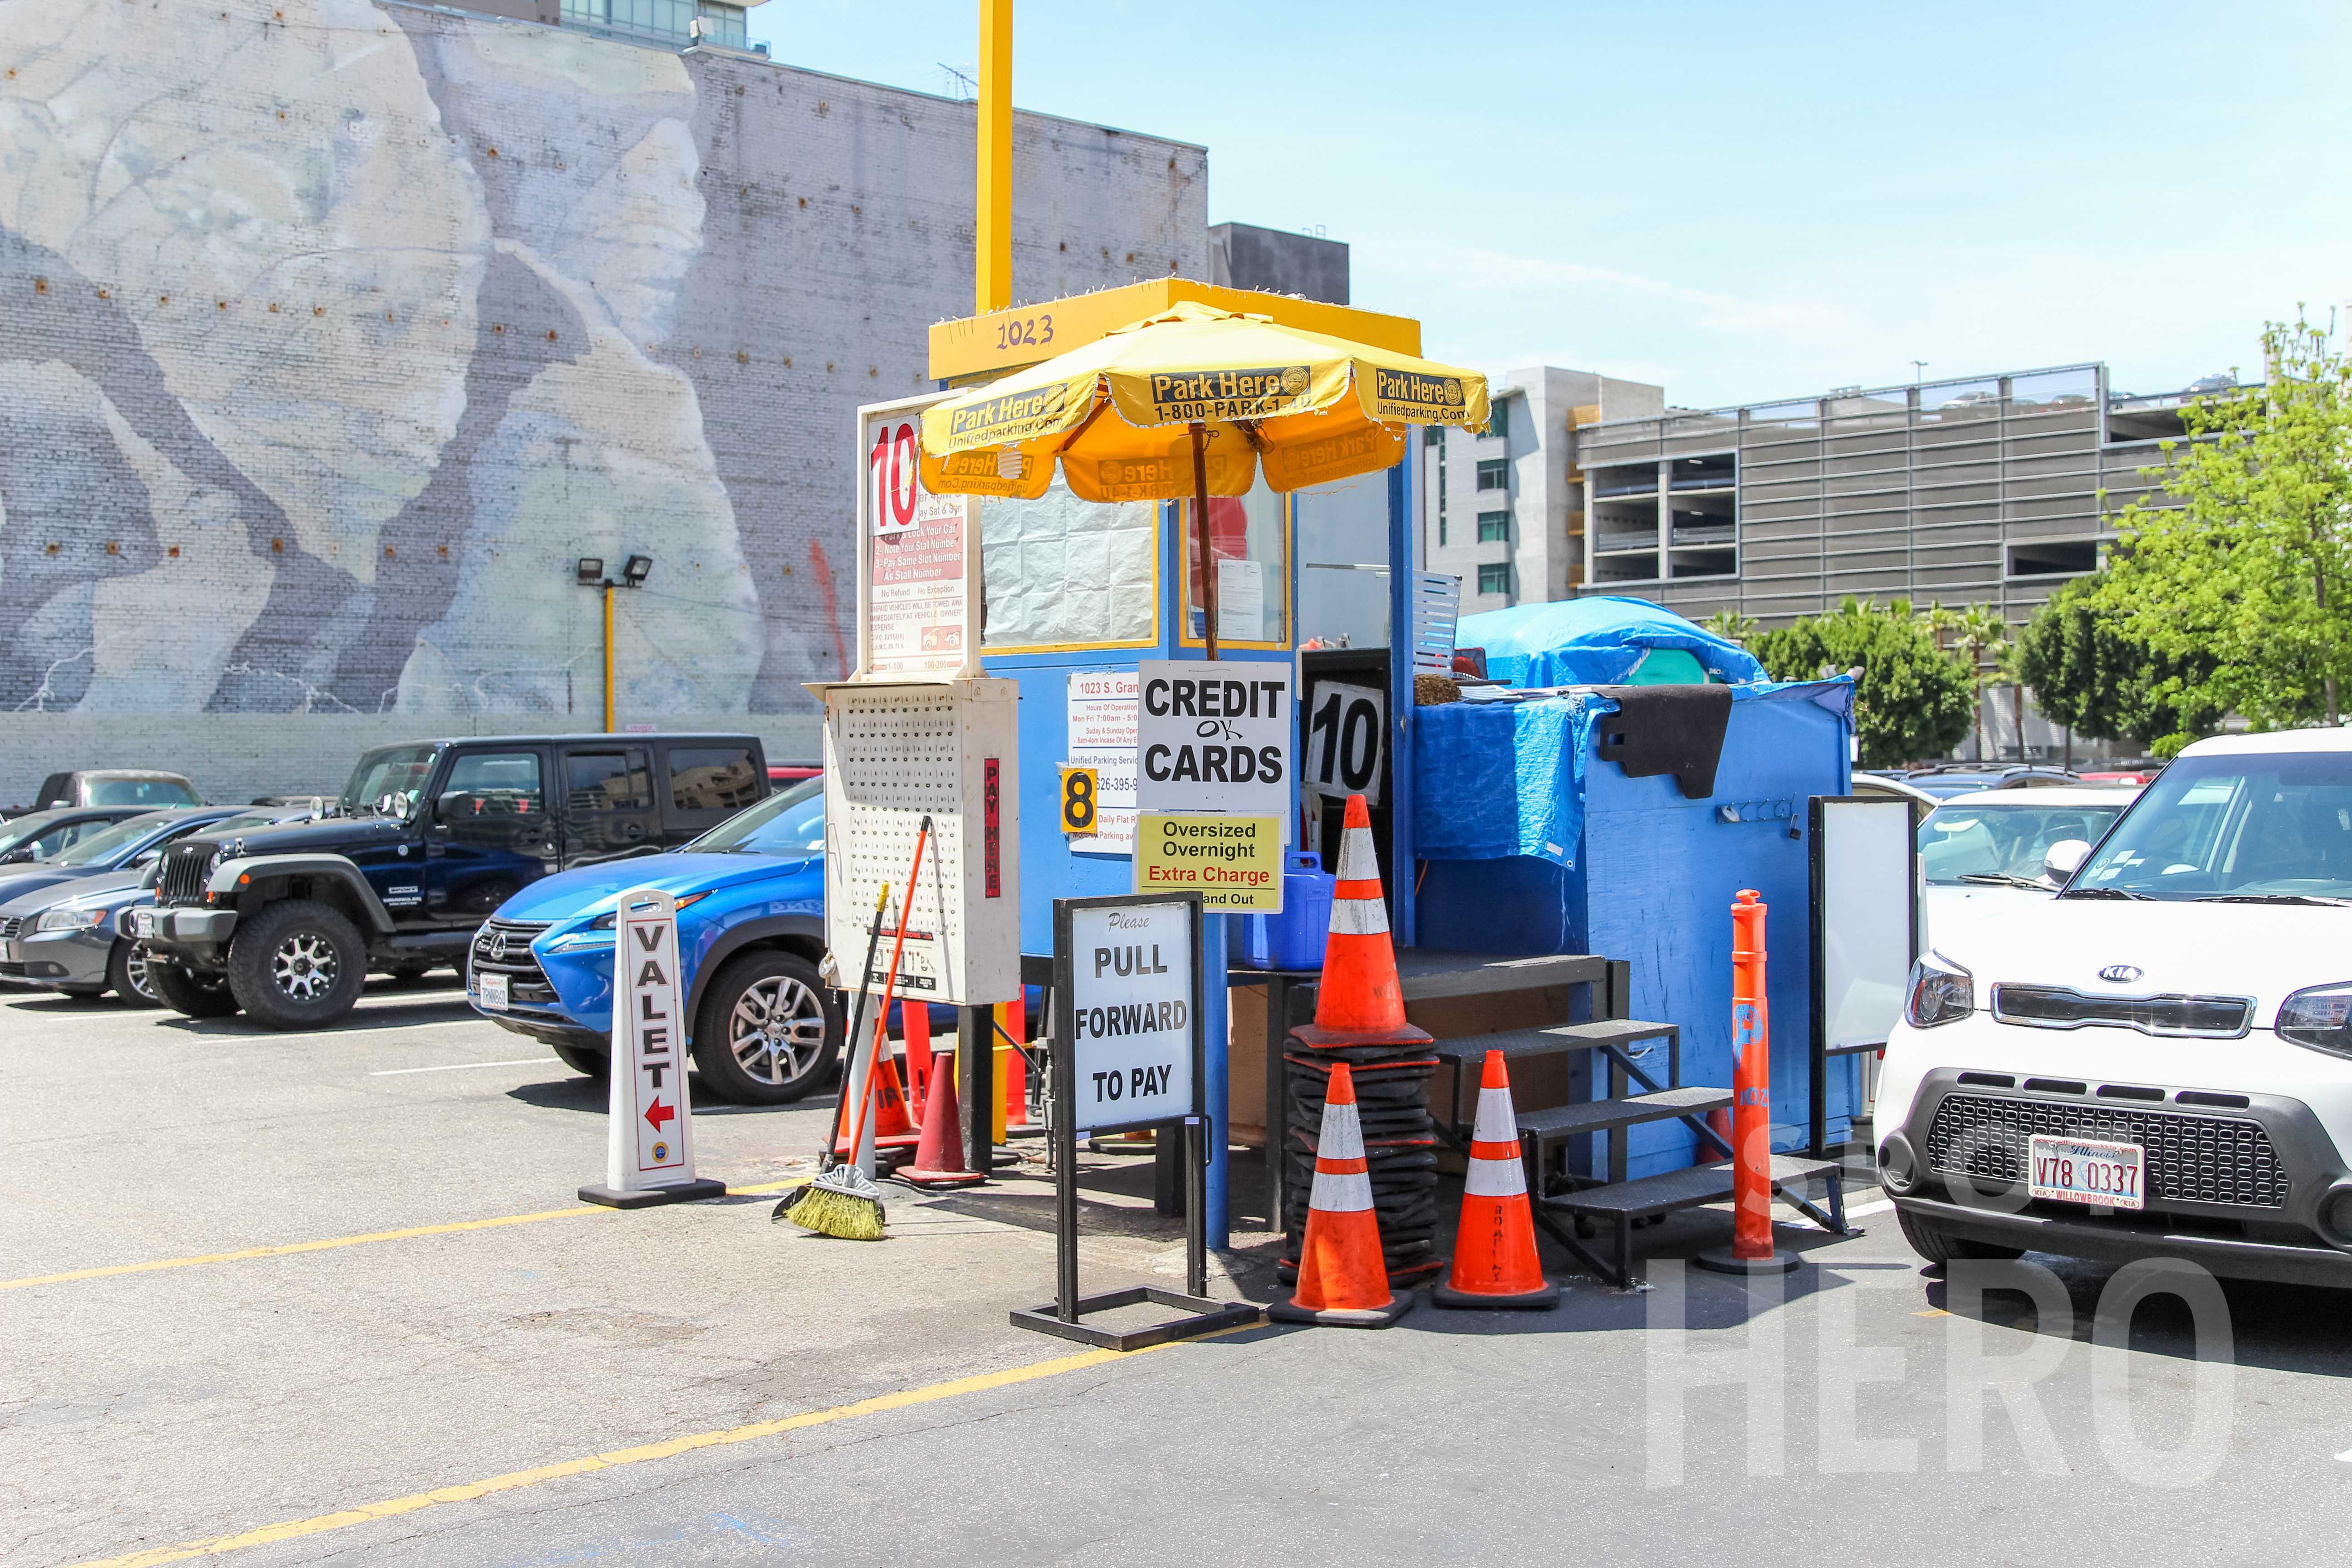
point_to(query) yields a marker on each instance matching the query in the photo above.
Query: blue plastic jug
(1292, 939)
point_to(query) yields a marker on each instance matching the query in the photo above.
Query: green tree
(1731, 626)
(1911, 701)
(2089, 673)
(2251, 567)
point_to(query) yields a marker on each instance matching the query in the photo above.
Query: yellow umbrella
(1192, 403)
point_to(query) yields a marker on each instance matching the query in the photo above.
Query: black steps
(1605, 1115)
(1550, 1042)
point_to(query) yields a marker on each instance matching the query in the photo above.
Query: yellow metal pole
(608, 658)
(992, 233)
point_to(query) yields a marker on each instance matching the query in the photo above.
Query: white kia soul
(2158, 1062)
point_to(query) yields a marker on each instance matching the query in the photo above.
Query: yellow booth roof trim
(977, 347)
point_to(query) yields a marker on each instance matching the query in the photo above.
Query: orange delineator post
(1012, 1066)
(1751, 1084)
(915, 1025)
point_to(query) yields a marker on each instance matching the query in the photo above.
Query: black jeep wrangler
(428, 839)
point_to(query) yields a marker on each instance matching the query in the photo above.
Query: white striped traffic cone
(1342, 1280)
(1495, 1261)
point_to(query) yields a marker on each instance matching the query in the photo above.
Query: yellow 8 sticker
(1079, 786)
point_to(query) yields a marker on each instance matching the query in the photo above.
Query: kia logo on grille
(498, 947)
(2120, 974)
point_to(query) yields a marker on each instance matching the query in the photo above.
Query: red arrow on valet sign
(658, 1113)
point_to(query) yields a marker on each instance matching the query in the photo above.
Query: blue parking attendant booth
(1618, 907)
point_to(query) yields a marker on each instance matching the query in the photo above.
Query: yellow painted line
(288, 1251)
(517, 1479)
(1932, 1312)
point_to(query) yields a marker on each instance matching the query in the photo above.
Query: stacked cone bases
(1495, 1261)
(938, 1158)
(1359, 1025)
(1342, 1280)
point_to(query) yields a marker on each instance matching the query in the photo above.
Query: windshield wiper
(2003, 879)
(2315, 899)
(2105, 893)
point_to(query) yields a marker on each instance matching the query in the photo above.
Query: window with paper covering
(1058, 571)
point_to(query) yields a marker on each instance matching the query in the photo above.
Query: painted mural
(339, 408)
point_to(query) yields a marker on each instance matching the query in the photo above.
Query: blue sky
(1741, 201)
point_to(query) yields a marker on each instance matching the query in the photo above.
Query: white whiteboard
(1864, 885)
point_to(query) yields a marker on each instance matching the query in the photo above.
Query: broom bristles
(839, 1215)
(830, 1206)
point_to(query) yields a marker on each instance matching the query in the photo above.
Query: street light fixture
(589, 573)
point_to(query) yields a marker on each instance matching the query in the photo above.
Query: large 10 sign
(916, 572)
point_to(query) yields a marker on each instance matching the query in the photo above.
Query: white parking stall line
(461, 1067)
(1881, 1206)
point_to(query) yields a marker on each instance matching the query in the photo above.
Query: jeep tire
(193, 996)
(297, 965)
(768, 1031)
(131, 975)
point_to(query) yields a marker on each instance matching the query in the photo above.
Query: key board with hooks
(893, 754)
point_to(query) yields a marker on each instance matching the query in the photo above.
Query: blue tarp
(1594, 642)
(1494, 779)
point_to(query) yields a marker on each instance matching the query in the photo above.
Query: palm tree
(1981, 633)
(1939, 621)
(1731, 626)
(2006, 662)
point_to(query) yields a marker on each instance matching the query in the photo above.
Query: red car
(783, 773)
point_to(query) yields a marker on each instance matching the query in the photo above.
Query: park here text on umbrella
(1193, 403)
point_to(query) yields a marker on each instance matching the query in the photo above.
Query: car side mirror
(146, 857)
(2063, 859)
(18, 855)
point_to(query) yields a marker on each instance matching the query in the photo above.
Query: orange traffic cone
(1494, 1262)
(1359, 1001)
(1342, 1280)
(938, 1158)
(892, 1128)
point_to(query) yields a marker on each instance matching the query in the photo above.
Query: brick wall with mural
(333, 332)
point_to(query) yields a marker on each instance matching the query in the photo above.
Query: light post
(589, 573)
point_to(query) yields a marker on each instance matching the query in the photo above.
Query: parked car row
(501, 857)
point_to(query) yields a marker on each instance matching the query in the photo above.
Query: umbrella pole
(1201, 534)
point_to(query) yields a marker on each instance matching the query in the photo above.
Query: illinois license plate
(2086, 1171)
(493, 995)
(144, 922)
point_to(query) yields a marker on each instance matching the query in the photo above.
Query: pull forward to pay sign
(1132, 1014)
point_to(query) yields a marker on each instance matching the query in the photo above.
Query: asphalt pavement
(329, 1297)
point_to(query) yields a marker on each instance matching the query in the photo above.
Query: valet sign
(649, 1132)
(1134, 1006)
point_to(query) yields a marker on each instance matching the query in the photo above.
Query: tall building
(1503, 509)
(1994, 489)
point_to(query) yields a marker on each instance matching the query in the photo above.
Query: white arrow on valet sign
(650, 1130)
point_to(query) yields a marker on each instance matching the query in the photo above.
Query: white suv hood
(2261, 950)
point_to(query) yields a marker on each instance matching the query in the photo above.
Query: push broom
(843, 1202)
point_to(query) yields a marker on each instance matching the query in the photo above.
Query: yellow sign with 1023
(1235, 863)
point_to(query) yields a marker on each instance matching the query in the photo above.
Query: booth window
(1058, 572)
(1247, 536)
(1494, 527)
(1494, 577)
(1494, 473)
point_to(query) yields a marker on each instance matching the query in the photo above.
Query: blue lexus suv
(751, 932)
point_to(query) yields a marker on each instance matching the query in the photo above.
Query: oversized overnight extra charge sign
(1213, 738)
